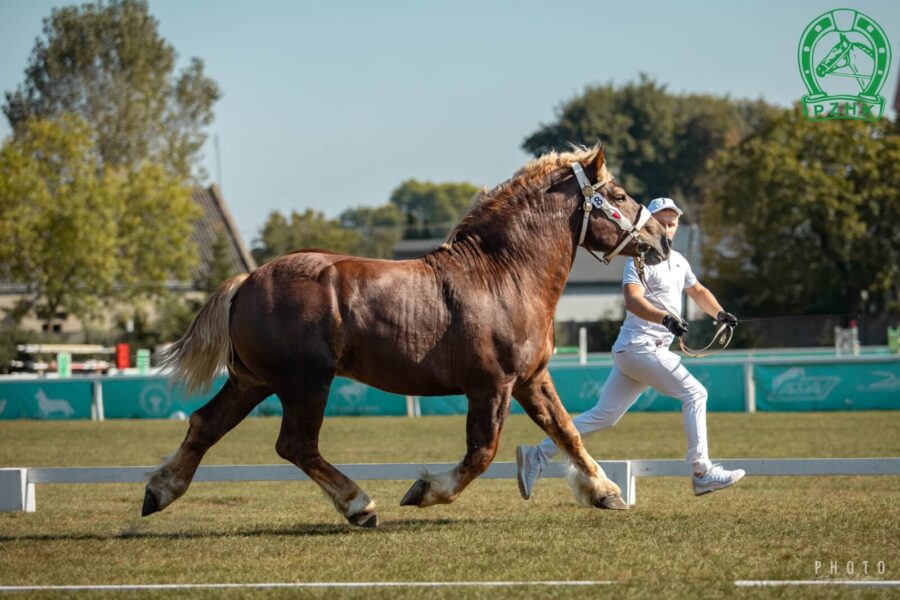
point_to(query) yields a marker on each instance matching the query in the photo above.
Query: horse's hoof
(415, 494)
(151, 504)
(612, 502)
(364, 519)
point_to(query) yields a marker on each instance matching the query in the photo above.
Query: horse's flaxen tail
(206, 346)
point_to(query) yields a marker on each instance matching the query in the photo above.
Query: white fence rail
(17, 485)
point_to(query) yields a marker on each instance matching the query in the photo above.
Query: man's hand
(727, 317)
(676, 326)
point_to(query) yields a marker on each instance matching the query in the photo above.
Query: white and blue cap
(663, 204)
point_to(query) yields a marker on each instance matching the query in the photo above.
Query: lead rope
(723, 334)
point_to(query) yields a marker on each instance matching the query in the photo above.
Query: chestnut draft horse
(474, 316)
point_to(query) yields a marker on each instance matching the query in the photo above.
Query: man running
(643, 359)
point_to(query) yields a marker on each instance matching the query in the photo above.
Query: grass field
(671, 545)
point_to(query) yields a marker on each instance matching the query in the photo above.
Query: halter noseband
(594, 199)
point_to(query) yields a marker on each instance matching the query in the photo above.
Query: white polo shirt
(668, 280)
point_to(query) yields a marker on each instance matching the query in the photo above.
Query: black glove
(676, 326)
(727, 317)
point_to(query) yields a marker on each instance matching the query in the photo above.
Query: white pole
(582, 345)
(749, 388)
(97, 411)
(412, 406)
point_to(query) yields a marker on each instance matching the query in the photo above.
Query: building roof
(216, 220)
(405, 249)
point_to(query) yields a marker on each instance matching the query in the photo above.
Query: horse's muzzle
(653, 256)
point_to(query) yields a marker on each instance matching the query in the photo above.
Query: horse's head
(605, 232)
(836, 57)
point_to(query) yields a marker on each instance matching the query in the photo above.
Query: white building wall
(591, 303)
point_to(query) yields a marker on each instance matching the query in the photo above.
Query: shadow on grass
(305, 530)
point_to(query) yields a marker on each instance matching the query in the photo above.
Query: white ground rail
(17, 485)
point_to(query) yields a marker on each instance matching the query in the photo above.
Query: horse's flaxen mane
(538, 174)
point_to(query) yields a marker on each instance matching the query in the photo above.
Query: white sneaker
(530, 463)
(716, 478)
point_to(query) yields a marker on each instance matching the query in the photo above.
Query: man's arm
(638, 305)
(704, 299)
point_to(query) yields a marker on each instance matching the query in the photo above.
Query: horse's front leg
(589, 483)
(488, 410)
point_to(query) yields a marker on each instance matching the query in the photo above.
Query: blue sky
(333, 104)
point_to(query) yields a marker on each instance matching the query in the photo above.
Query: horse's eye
(620, 198)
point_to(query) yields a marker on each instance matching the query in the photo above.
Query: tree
(802, 217)
(415, 210)
(309, 229)
(80, 235)
(380, 228)
(657, 142)
(218, 267)
(431, 209)
(107, 63)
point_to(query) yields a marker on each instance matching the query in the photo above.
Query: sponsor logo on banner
(352, 393)
(794, 385)
(52, 406)
(590, 389)
(889, 382)
(155, 400)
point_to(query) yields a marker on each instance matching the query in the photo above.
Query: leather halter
(594, 199)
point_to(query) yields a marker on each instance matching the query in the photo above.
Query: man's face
(669, 219)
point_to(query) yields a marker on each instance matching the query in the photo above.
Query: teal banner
(579, 388)
(45, 399)
(347, 397)
(828, 386)
(151, 398)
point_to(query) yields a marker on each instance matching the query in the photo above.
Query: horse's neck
(532, 252)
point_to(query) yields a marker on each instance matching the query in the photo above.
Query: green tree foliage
(416, 210)
(309, 229)
(803, 217)
(80, 235)
(219, 266)
(380, 228)
(657, 142)
(8, 352)
(107, 63)
(431, 209)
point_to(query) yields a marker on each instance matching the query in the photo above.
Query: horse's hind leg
(298, 442)
(589, 483)
(207, 426)
(487, 413)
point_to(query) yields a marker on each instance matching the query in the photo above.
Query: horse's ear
(595, 164)
(599, 160)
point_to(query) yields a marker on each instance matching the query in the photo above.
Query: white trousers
(631, 375)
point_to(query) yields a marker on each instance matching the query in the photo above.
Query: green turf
(671, 545)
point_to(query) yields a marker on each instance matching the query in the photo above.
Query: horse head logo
(844, 55)
(847, 53)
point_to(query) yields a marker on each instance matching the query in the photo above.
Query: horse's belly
(400, 377)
